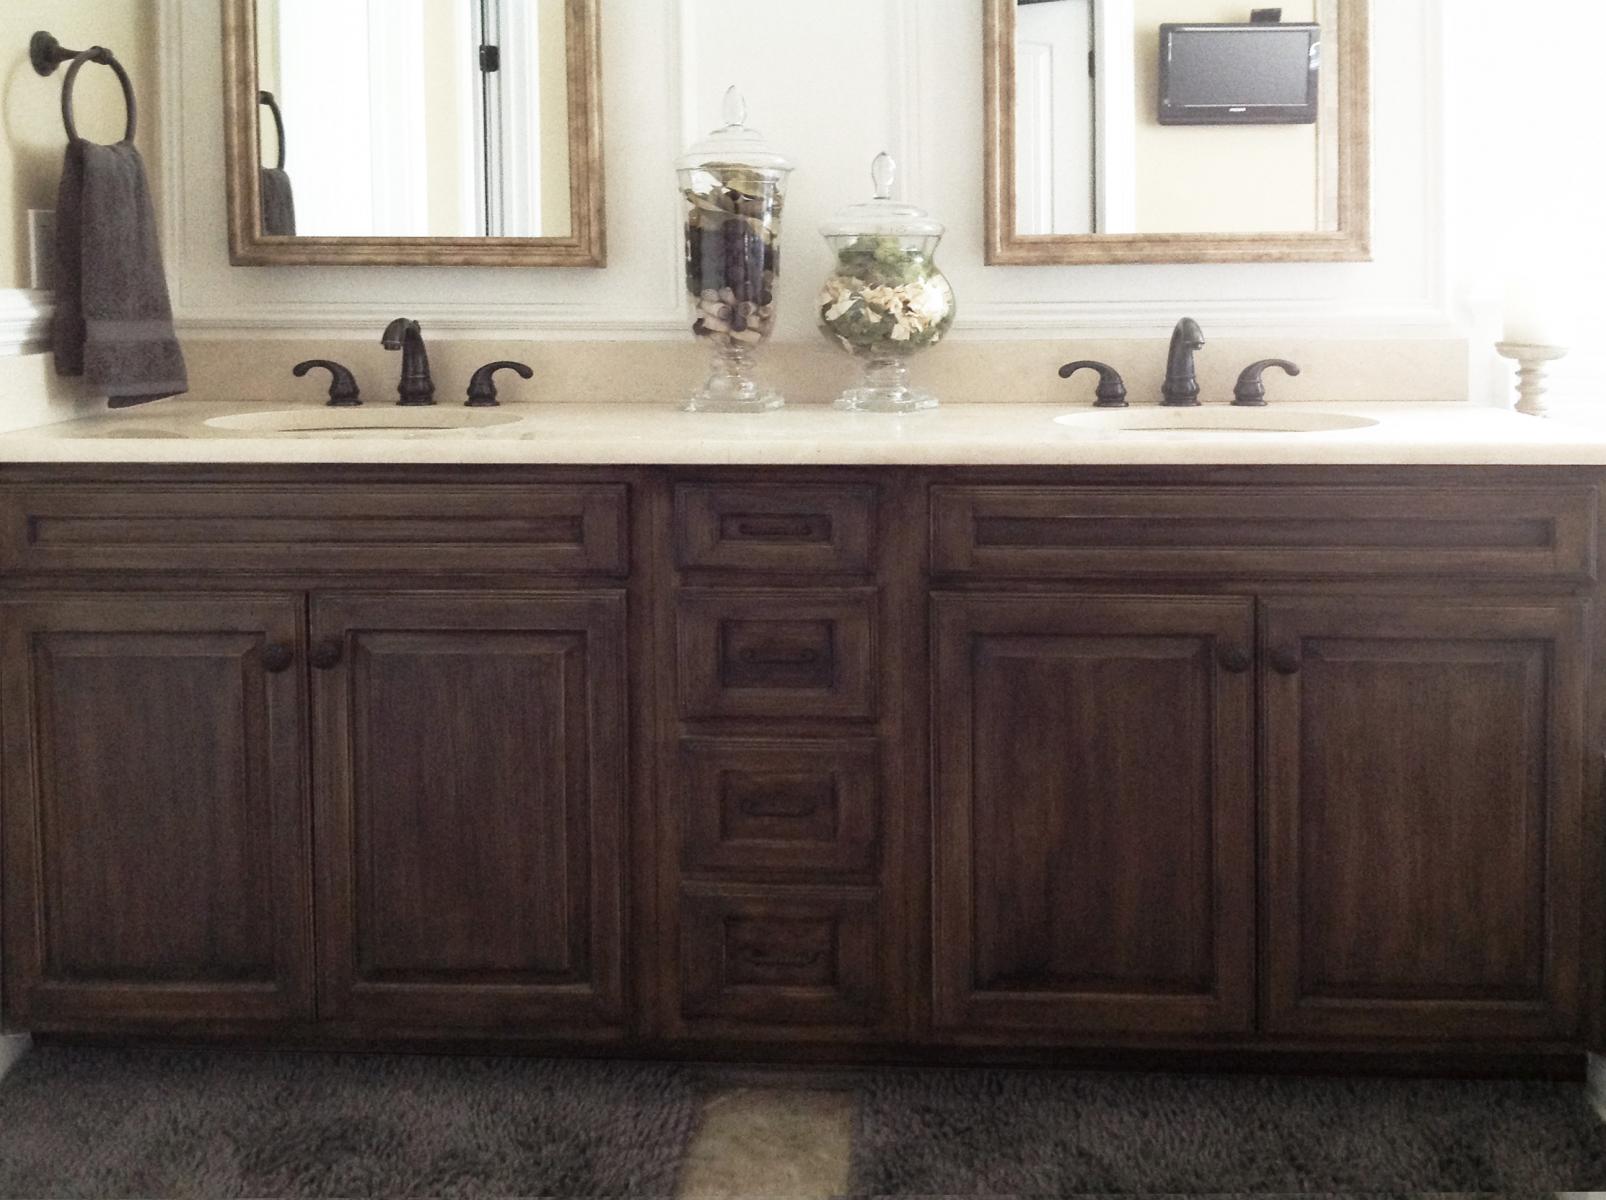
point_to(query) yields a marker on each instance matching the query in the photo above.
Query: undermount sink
(1212, 419)
(377, 419)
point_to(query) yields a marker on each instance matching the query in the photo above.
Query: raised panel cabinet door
(156, 857)
(470, 791)
(1094, 815)
(1424, 818)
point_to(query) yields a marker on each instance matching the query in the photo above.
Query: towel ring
(278, 122)
(46, 54)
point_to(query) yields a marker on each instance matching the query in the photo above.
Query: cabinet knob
(1235, 659)
(759, 957)
(777, 528)
(1286, 661)
(781, 657)
(277, 657)
(326, 655)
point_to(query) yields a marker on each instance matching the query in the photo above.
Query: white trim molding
(24, 321)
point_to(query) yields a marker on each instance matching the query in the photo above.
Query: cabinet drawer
(777, 654)
(502, 528)
(802, 529)
(779, 956)
(1266, 532)
(780, 806)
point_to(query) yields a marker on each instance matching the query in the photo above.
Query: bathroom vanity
(911, 753)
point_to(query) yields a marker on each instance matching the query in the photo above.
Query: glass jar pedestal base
(885, 389)
(733, 386)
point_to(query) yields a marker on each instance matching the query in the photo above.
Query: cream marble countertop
(992, 434)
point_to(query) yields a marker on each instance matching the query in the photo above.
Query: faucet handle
(1111, 392)
(1251, 389)
(343, 391)
(482, 388)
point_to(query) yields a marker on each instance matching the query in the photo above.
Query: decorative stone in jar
(885, 301)
(734, 186)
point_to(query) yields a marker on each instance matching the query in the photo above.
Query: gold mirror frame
(585, 246)
(1350, 242)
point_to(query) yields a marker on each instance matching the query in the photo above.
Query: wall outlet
(42, 249)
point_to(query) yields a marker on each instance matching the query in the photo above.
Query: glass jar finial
(735, 107)
(884, 173)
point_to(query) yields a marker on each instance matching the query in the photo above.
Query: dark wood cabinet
(155, 822)
(470, 804)
(1424, 818)
(1095, 823)
(831, 763)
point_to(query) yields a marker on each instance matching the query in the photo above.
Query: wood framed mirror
(417, 132)
(1198, 131)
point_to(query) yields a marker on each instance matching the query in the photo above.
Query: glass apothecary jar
(885, 300)
(734, 186)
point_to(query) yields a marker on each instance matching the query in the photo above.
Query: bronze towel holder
(46, 54)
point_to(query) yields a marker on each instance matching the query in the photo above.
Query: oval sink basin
(1212, 419)
(378, 419)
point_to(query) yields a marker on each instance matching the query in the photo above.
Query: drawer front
(503, 528)
(752, 806)
(774, 956)
(802, 529)
(1265, 532)
(777, 654)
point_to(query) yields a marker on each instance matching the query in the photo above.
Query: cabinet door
(1094, 826)
(156, 851)
(470, 779)
(1423, 775)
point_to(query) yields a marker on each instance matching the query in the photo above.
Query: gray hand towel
(114, 323)
(278, 203)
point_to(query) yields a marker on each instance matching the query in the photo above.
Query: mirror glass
(1153, 117)
(414, 118)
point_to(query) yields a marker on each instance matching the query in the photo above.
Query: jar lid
(735, 144)
(883, 215)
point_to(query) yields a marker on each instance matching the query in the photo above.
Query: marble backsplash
(963, 371)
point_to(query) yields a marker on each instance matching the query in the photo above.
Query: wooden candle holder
(1531, 362)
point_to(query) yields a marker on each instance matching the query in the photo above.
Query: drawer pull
(1235, 660)
(277, 657)
(758, 957)
(778, 806)
(777, 528)
(779, 658)
(326, 655)
(1286, 661)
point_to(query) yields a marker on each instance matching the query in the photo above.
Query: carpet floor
(999, 1133)
(123, 1123)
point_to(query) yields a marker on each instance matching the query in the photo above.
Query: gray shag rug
(161, 1123)
(1002, 1133)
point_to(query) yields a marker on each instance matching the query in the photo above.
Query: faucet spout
(416, 387)
(1181, 388)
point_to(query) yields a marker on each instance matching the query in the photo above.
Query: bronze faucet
(1181, 388)
(416, 387)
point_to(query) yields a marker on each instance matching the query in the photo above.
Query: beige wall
(268, 77)
(556, 216)
(451, 92)
(31, 137)
(1212, 178)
